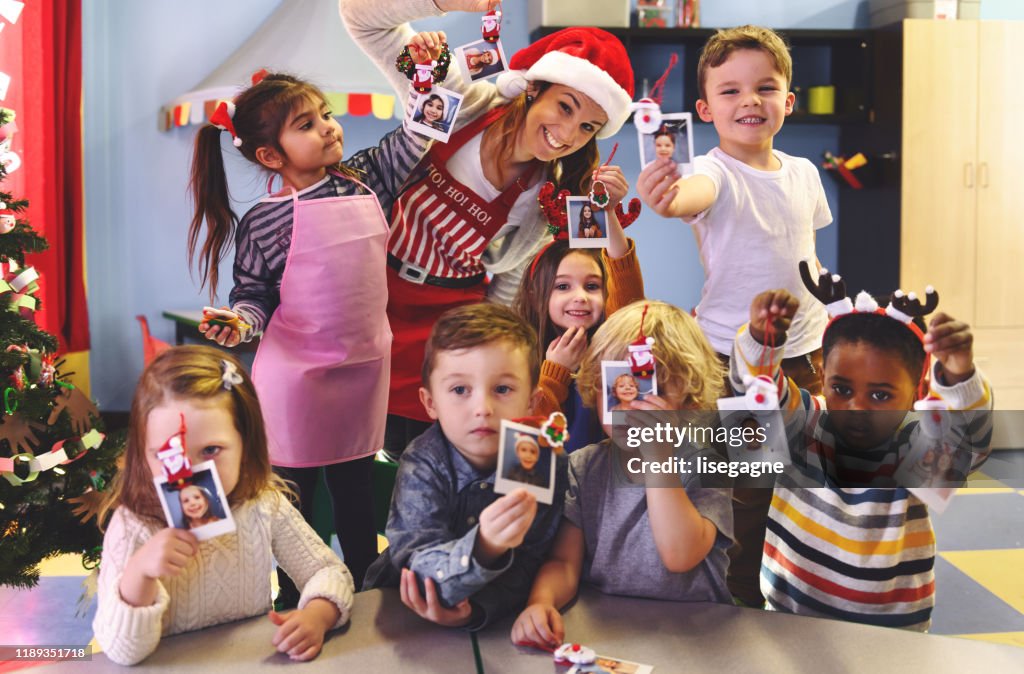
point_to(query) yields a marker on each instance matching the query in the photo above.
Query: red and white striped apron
(439, 228)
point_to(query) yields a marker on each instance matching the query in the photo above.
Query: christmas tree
(53, 458)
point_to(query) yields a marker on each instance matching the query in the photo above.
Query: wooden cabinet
(962, 224)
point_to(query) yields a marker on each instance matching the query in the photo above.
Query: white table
(382, 637)
(677, 637)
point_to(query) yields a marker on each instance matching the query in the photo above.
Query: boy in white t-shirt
(754, 211)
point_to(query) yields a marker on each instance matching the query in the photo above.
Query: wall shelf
(842, 58)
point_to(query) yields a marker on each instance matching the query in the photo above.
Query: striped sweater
(860, 552)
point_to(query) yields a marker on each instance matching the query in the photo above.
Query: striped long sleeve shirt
(264, 234)
(852, 549)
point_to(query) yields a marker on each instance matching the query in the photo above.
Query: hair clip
(258, 76)
(230, 376)
(221, 118)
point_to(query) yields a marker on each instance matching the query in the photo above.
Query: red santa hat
(589, 60)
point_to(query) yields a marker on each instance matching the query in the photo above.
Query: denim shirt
(433, 525)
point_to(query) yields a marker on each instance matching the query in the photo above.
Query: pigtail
(208, 185)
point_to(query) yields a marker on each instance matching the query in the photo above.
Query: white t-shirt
(752, 239)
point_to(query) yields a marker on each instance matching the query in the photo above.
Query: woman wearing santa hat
(471, 210)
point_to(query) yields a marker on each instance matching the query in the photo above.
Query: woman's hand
(477, 6)
(426, 46)
(615, 182)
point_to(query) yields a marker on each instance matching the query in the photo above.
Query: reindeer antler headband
(830, 290)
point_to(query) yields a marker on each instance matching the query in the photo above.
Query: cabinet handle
(983, 174)
(969, 175)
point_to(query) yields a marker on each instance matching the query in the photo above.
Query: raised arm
(670, 195)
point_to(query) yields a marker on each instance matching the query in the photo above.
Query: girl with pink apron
(323, 363)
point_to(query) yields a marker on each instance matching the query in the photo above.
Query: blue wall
(139, 55)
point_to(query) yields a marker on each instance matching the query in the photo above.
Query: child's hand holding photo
(503, 526)
(162, 556)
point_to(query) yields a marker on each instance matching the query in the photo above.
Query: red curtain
(42, 53)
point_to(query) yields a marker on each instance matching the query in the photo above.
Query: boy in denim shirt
(461, 554)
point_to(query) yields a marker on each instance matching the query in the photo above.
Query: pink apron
(323, 364)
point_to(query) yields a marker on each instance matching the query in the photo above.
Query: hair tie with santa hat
(589, 60)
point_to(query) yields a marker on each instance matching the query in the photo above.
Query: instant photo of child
(481, 59)
(434, 113)
(588, 226)
(523, 462)
(621, 388)
(198, 505)
(673, 139)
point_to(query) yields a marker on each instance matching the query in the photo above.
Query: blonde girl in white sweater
(155, 580)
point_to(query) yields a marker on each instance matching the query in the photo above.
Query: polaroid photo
(588, 226)
(480, 60)
(604, 664)
(620, 388)
(200, 506)
(674, 138)
(755, 435)
(523, 463)
(434, 113)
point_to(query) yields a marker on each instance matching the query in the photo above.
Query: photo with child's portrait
(672, 139)
(620, 388)
(524, 462)
(198, 505)
(434, 113)
(481, 59)
(588, 226)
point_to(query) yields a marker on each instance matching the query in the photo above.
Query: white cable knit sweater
(228, 579)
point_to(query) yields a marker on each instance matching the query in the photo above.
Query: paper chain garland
(57, 456)
(18, 287)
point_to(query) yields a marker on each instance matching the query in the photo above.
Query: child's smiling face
(577, 296)
(528, 453)
(193, 503)
(747, 100)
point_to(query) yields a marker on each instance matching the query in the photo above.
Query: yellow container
(821, 100)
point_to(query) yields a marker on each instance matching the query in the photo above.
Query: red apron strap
(444, 151)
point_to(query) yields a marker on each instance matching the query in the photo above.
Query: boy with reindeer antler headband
(862, 548)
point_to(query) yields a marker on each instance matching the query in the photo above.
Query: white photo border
(225, 525)
(503, 485)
